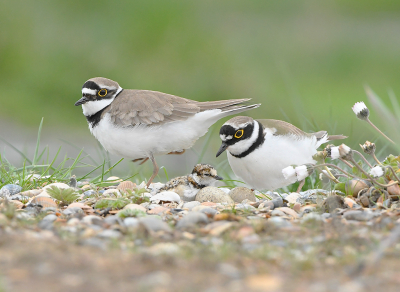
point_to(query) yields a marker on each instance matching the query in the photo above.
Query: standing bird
(139, 124)
(258, 150)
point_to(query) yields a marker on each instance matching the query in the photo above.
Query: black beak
(83, 100)
(217, 177)
(222, 148)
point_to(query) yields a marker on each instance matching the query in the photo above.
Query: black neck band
(94, 119)
(255, 145)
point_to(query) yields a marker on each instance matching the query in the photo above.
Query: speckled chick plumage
(203, 175)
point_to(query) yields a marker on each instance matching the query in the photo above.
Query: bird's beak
(217, 177)
(83, 100)
(222, 148)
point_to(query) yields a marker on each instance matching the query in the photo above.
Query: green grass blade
(19, 152)
(35, 157)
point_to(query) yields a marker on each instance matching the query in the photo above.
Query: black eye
(239, 133)
(102, 92)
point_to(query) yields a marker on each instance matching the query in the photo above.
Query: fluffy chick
(203, 175)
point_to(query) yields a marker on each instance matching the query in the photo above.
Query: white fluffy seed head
(344, 150)
(335, 152)
(376, 171)
(289, 172)
(302, 171)
(361, 110)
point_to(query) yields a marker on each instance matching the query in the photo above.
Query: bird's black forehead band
(91, 85)
(227, 130)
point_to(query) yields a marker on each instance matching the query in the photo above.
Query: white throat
(244, 145)
(92, 107)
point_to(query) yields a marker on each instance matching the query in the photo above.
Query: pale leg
(301, 184)
(155, 169)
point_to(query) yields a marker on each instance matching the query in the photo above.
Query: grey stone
(245, 207)
(50, 217)
(109, 233)
(358, 215)
(191, 205)
(213, 194)
(10, 190)
(312, 217)
(154, 223)
(277, 213)
(93, 219)
(209, 211)
(278, 202)
(113, 219)
(191, 220)
(73, 210)
(131, 222)
(88, 193)
(239, 194)
(279, 222)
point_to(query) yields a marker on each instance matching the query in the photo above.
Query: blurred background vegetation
(306, 61)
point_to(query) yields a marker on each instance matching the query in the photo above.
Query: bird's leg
(301, 184)
(155, 169)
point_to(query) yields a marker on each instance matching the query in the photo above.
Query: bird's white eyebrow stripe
(89, 91)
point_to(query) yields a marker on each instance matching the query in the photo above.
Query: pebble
(278, 202)
(191, 220)
(88, 193)
(358, 215)
(279, 222)
(191, 205)
(154, 223)
(109, 233)
(288, 211)
(292, 198)
(158, 210)
(50, 217)
(239, 194)
(134, 207)
(277, 213)
(73, 210)
(10, 190)
(165, 197)
(131, 222)
(213, 194)
(92, 219)
(312, 217)
(210, 212)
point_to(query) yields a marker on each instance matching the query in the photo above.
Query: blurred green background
(306, 61)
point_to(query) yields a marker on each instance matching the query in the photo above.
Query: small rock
(210, 212)
(218, 227)
(109, 233)
(358, 215)
(279, 222)
(45, 202)
(77, 205)
(113, 219)
(350, 203)
(153, 223)
(88, 193)
(158, 210)
(312, 217)
(131, 222)
(292, 198)
(297, 207)
(73, 210)
(191, 205)
(93, 220)
(364, 200)
(287, 211)
(114, 179)
(213, 194)
(333, 202)
(31, 193)
(239, 194)
(50, 217)
(166, 197)
(134, 207)
(278, 213)
(9, 190)
(354, 186)
(113, 192)
(192, 220)
(278, 202)
(394, 191)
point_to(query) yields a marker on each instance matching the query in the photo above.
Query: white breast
(262, 169)
(141, 141)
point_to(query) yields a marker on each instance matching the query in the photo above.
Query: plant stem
(376, 159)
(376, 128)
(362, 156)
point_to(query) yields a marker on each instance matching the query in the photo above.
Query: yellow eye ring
(239, 133)
(102, 92)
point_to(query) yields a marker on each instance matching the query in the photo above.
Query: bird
(187, 187)
(258, 150)
(141, 124)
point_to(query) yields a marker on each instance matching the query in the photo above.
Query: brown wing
(283, 128)
(133, 107)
